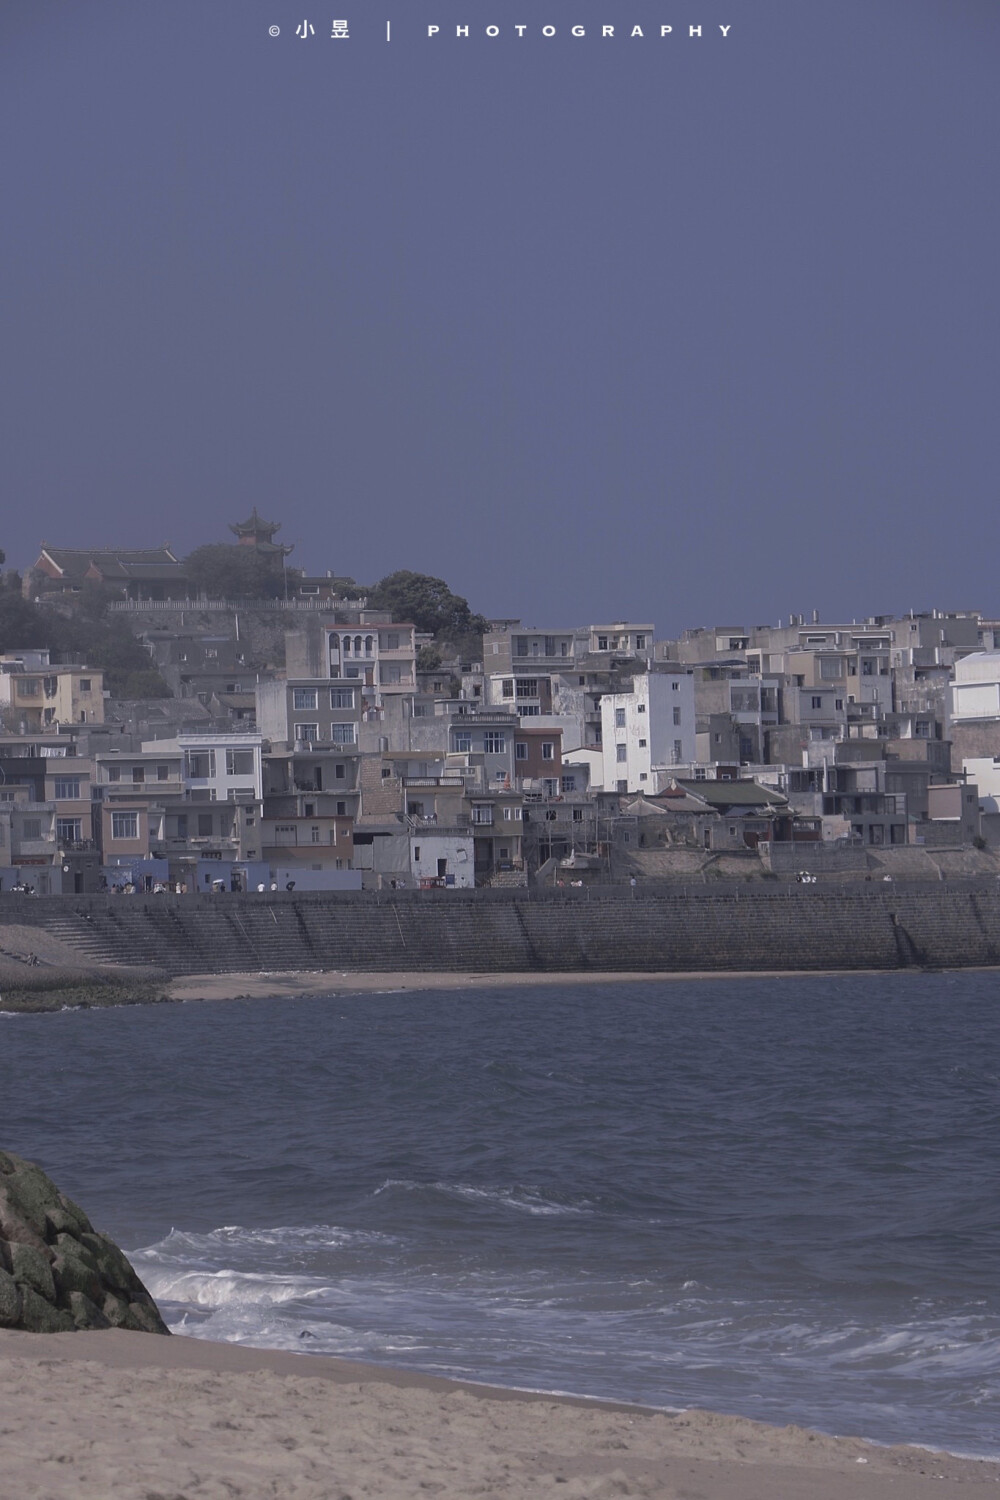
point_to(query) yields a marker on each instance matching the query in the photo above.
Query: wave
(215, 1289)
(180, 1243)
(520, 1199)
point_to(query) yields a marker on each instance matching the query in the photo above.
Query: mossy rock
(56, 1272)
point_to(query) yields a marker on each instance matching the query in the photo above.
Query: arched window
(368, 645)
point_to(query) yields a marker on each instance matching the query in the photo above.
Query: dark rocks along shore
(56, 1272)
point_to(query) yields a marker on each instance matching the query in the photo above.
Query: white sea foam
(228, 1288)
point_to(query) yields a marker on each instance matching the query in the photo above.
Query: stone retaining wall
(875, 926)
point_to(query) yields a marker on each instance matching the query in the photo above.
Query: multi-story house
(34, 695)
(648, 731)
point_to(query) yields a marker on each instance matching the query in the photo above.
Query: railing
(142, 606)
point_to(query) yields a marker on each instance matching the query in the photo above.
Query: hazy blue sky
(679, 329)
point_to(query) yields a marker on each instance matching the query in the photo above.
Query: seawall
(949, 924)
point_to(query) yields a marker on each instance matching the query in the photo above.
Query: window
(677, 716)
(621, 753)
(304, 698)
(163, 773)
(643, 776)
(138, 775)
(548, 750)
(569, 783)
(675, 686)
(507, 687)
(314, 834)
(124, 825)
(205, 825)
(339, 771)
(817, 701)
(84, 684)
(67, 787)
(550, 816)
(343, 734)
(838, 703)
(508, 813)
(114, 773)
(530, 711)
(640, 708)
(619, 718)
(392, 641)
(308, 588)
(307, 731)
(482, 815)
(341, 697)
(527, 687)
(463, 740)
(643, 744)
(494, 742)
(68, 830)
(31, 828)
(182, 825)
(602, 643)
(678, 750)
(640, 643)
(520, 750)
(578, 815)
(201, 764)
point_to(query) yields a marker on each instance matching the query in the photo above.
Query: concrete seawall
(874, 926)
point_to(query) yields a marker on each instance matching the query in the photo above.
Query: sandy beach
(128, 1416)
(288, 984)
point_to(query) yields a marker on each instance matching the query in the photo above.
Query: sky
(670, 328)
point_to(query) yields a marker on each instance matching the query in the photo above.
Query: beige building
(34, 695)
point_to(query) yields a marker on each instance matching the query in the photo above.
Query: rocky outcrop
(56, 1272)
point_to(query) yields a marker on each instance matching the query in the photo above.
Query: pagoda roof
(255, 525)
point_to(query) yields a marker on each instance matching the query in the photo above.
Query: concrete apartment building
(649, 730)
(34, 695)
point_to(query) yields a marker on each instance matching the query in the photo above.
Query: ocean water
(777, 1197)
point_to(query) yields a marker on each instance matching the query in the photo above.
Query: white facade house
(975, 690)
(648, 732)
(446, 855)
(217, 767)
(382, 658)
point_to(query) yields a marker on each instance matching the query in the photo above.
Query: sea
(772, 1197)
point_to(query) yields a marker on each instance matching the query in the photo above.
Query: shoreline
(106, 1415)
(91, 991)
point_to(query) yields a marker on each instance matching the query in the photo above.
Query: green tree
(223, 571)
(428, 603)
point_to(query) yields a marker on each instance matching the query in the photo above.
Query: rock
(30, 1267)
(39, 1316)
(86, 1314)
(56, 1272)
(10, 1301)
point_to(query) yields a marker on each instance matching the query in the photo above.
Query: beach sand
(129, 1416)
(292, 983)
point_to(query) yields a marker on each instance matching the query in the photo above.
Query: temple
(257, 533)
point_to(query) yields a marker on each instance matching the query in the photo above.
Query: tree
(224, 571)
(428, 603)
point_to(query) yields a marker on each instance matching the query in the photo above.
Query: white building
(648, 732)
(975, 691)
(216, 767)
